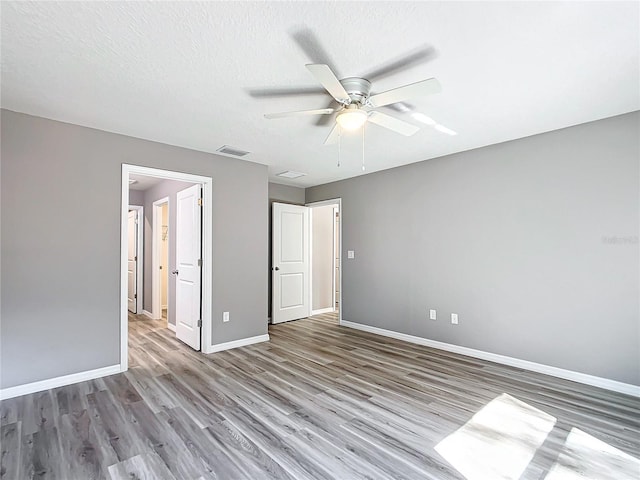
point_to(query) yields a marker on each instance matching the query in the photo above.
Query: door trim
(140, 255)
(322, 203)
(207, 252)
(156, 281)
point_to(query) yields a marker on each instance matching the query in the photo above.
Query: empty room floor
(317, 401)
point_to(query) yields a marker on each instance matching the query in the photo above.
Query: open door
(188, 266)
(132, 263)
(290, 257)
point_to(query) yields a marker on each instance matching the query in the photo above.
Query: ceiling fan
(356, 105)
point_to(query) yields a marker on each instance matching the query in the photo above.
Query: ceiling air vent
(227, 150)
(290, 174)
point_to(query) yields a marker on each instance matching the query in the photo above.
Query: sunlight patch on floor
(585, 457)
(499, 441)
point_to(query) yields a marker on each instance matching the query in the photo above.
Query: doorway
(193, 268)
(325, 259)
(135, 258)
(296, 260)
(160, 263)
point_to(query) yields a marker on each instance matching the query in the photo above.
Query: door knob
(277, 268)
(174, 272)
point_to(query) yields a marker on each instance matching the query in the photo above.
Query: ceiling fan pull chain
(363, 127)
(339, 143)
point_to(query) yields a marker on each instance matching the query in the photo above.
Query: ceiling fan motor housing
(357, 88)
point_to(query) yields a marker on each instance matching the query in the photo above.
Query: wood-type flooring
(318, 401)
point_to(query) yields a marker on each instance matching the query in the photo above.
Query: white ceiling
(144, 182)
(181, 73)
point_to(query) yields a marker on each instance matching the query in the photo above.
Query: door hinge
(135, 295)
(199, 202)
(135, 259)
(199, 262)
(199, 323)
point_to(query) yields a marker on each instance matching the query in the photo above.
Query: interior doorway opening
(161, 265)
(306, 261)
(325, 259)
(135, 258)
(178, 270)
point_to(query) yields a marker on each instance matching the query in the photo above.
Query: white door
(290, 266)
(132, 262)
(188, 279)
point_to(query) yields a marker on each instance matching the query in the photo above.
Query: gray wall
(136, 197)
(534, 243)
(60, 292)
(282, 194)
(166, 188)
(322, 240)
(286, 194)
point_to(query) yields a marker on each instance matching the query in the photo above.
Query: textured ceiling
(143, 182)
(181, 73)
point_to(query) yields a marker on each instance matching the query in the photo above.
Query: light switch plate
(351, 254)
(432, 314)
(454, 318)
(225, 316)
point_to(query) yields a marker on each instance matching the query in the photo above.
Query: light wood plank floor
(318, 401)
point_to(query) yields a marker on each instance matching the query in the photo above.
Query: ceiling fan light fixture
(352, 119)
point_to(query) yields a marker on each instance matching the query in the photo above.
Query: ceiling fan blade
(415, 57)
(333, 135)
(324, 120)
(400, 94)
(300, 113)
(284, 91)
(328, 80)
(392, 123)
(312, 47)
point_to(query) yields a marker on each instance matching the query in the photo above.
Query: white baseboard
(322, 310)
(243, 342)
(56, 382)
(171, 327)
(147, 313)
(606, 383)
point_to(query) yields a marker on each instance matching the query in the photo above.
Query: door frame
(207, 252)
(140, 255)
(156, 252)
(324, 203)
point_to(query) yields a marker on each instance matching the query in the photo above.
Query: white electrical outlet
(225, 316)
(454, 318)
(432, 314)
(351, 254)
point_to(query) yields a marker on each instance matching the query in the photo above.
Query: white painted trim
(156, 247)
(171, 327)
(147, 313)
(324, 310)
(207, 252)
(207, 265)
(140, 254)
(587, 379)
(243, 342)
(333, 201)
(334, 242)
(56, 382)
(310, 244)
